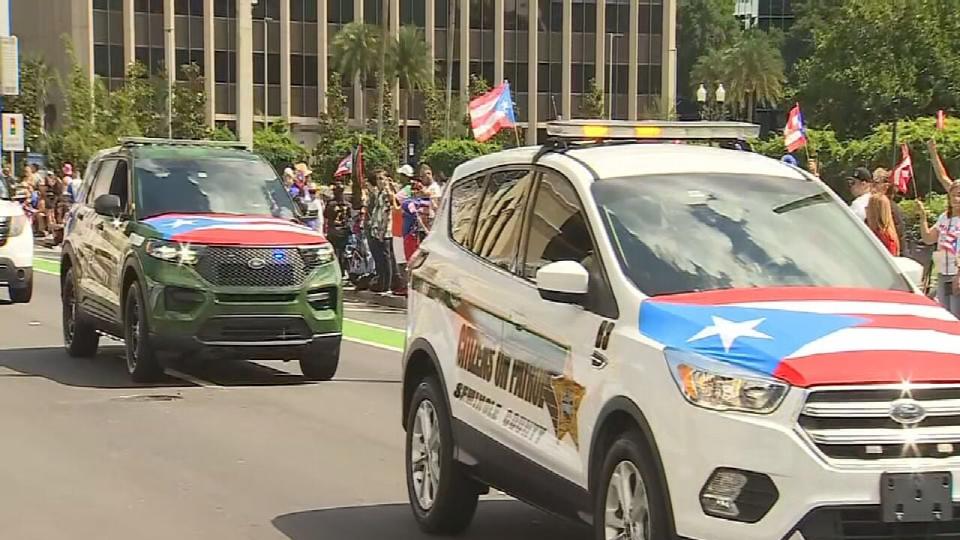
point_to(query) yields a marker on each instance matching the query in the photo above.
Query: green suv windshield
(698, 232)
(221, 185)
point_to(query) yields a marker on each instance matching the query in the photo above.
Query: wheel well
(129, 276)
(66, 263)
(615, 424)
(419, 367)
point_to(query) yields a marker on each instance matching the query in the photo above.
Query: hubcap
(133, 337)
(425, 455)
(627, 509)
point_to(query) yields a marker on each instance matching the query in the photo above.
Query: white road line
(372, 344)
(375, 325)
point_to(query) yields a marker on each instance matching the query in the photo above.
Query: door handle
(598, 360)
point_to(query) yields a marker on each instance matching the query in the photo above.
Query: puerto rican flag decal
(813, 336)
(233, 230)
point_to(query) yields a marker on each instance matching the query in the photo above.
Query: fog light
(738, 495)
(181, 300)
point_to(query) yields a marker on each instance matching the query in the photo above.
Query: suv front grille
(4, 229)
(863, 423)
(230, 267)
(254, 329)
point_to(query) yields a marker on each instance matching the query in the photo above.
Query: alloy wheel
(425, 454)
(627, 508)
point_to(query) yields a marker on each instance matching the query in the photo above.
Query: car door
(556, 349)
(113, 236)
(91, 245)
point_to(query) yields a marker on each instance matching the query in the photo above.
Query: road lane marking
(364, 332)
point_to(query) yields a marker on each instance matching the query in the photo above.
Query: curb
(378, 299)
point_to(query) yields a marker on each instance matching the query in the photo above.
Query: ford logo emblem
(256, 263)
(907, 412)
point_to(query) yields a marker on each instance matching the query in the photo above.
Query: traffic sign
(13, 132)
(9, 66)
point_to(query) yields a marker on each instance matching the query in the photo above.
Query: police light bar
(151, 141)
(651, 130)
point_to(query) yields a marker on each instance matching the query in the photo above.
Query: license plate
(916, 497)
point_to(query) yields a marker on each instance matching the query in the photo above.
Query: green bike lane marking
(376, 335)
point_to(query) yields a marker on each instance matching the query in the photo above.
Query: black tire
(631, 448)
(142, 363)
(455, 500)
(320, 364)
(80, 338)
(22, 295)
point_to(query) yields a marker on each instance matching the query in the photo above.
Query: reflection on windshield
(681, 233)
(221, 185)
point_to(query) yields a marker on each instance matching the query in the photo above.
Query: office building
(547, 49)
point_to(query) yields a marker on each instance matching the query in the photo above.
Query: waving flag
(795, 133)
(903, 172)
(492, 112)
(345, 167)
(812, 336)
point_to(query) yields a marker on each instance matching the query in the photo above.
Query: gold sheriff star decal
(567, 395)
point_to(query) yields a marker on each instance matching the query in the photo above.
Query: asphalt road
(234, 450)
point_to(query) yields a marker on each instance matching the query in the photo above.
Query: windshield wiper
(817, 198)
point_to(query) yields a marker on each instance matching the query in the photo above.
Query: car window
(501, 216)
(102, 180)
(697, 232)
(465, 198)
(558, 231)
(119, 183)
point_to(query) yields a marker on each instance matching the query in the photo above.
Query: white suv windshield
(696, 232)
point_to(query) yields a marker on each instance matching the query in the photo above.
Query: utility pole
(245, 71)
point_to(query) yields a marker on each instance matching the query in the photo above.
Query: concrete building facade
(271, 58)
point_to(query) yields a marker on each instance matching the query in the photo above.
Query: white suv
(674, 340)
(16, 249)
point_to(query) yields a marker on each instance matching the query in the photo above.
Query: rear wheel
(142, 363)
(79, 337)
(320, 364)
(443, 498)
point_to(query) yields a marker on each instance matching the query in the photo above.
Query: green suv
(196, 247)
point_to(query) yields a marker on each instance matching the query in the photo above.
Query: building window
(108, 58)
(225, 56)
(304, 75)
(267, 9)
(413, 12)
(303, 10)
(339, 11)
(189, 36)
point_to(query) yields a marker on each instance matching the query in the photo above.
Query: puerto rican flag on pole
(345, 167)
(811, 336)
(492, 112)
(903, 172)
(795, 133)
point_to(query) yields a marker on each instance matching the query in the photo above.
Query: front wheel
(320, 364)
(443, 498)
(142, 363)
(629, 504)
(79, 337)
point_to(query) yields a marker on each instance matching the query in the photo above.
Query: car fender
(420, 346)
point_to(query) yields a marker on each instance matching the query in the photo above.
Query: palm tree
(451, 28)
(756, 73)
(409, 61)
(355, 54)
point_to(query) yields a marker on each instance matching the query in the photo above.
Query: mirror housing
(107, 205)
(911, 269)
(564, 282)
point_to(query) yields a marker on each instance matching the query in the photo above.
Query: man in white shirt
(861, 184)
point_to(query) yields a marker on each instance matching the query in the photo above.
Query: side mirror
(564, 282)
(910, 268)
(107, 205)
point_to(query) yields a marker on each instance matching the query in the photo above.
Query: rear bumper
(16, 277)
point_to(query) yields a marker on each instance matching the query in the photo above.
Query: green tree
(593, 105)
(223, 133)
(142, 97)
(79, 138)
(433, 125)
(873, 60)
(752, 71)
(35, 79)
(703, 26)
(356, 50)
(409, 61)
(275, 144)
(444, 155)
(189, 106)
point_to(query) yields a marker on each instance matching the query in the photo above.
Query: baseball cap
(406, 170)
(861, 174)
(789, 160)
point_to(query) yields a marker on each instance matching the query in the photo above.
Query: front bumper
(815, 494)
(16, 277)
(187, 314)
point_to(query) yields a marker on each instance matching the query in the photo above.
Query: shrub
(444, 155)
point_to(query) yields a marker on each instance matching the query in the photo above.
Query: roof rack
(592, 130)
(149, 141)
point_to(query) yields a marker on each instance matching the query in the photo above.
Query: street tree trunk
(406, 121)
(451, 28)
(384, 37)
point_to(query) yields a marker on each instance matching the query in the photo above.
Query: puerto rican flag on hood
(229, 230)
(813, 336)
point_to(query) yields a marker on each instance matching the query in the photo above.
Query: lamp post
(721, 95)
(701, 99)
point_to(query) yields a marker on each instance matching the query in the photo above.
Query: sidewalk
(52, 253)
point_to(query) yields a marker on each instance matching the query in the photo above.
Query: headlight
(719, 386)
(321, 254)
(174, 252)
(17, 225)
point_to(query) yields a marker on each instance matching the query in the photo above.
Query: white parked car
(16, 249)
(674, 340)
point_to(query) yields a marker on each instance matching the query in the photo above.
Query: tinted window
(695, 232)
(558, 231)
(501, 217)
(225, 185)
(103, 180)
(465, 197)
(118, 185)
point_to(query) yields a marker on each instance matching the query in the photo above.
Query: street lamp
(721, 97)
(701, 99)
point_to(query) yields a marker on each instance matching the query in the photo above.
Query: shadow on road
(228, 372)
(107, 370)
(495, 520)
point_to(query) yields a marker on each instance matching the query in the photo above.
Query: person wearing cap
(789, 160)
(946, 234)
(861, 186)
(72, 183)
